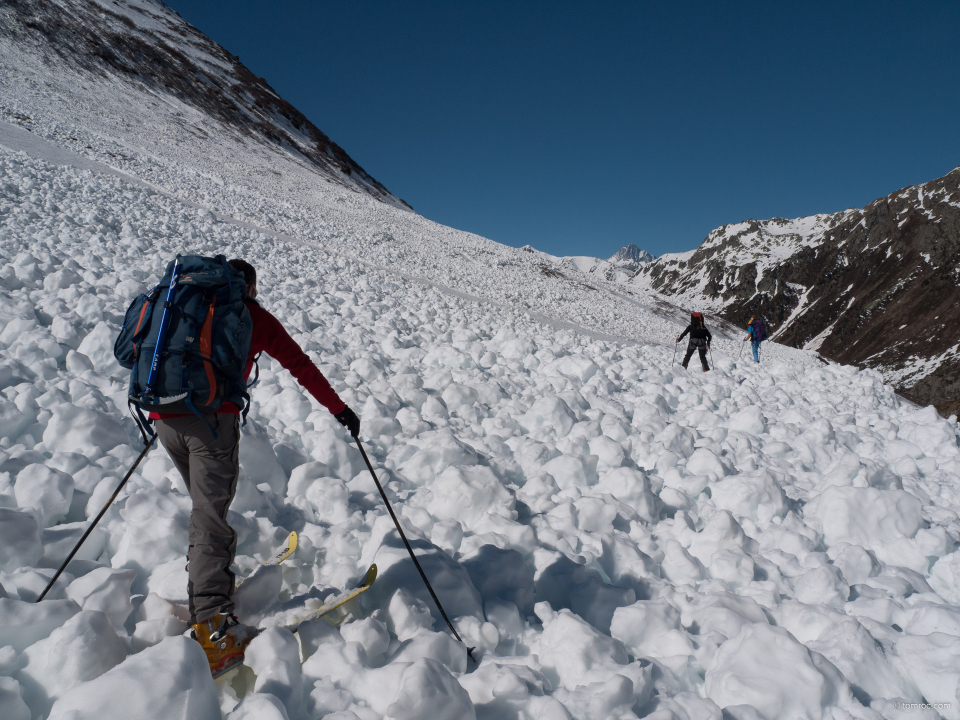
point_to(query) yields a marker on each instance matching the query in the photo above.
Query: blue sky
(580, 127)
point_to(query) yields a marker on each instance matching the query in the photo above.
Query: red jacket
(271, 337)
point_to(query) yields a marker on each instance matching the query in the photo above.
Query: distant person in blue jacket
(756, 334)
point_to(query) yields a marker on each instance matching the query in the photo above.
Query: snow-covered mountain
(619, 268)
(618, 537)
(875, 287)
(172, 75)
(631, 256)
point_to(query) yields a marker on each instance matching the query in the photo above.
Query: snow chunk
(19, 539)
(136, 689)
(106, 590)
(427, 689)
(24, 623)
(79, 429)
(82, 649)
(756, 496)
(548, 414)
(98, 346)
(869, 517)
(944, 577)
(574, 653)
(12, 706)
(766, 667)
(259, 706)
(749, 420)
(46, 490)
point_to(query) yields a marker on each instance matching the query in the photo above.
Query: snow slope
(617, 536)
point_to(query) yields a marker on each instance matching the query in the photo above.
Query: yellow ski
(282, 554)
(336, 601)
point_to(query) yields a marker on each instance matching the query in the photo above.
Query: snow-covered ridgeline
(762, 244)
(158, 137)
(618, 537)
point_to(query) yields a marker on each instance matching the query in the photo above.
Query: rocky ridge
(875, 287)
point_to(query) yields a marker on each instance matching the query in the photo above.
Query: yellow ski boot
(224, 640)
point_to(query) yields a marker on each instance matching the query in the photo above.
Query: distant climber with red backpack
(700, 339)
(756, 333)
(190, 344)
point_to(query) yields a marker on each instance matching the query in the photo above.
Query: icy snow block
(848, 645)
(564, 584)
(46, 490)
(98, 346)
(650, 628)
(82, 430)
(155, 533)
(258, 592)
(82, 649)
(169, 680)
(867, 516)
(468, 494)
(570, 471)
(369, 632)
(407, 615)
(13, 423)
(303, 476)
(59, 541)
(24, 623)
(767, 668)
(438, 646)
(705, 462)
(259, 706)
(259, 461)
(342, 460)
(549, 414)
(749, 420)
(284, 680)
(756, 496)
(12, 706)
(944, 576)
(632, 487)
(106, 590)
(427, 690)
(574, 653)
(501, 574)
(933, 663)
(19, 540)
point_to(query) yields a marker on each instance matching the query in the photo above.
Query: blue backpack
(759, 331)
(186, 341)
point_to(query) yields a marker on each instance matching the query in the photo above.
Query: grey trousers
(210, 468)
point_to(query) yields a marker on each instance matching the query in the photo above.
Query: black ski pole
(741, 349)
(410, 549)
(673, 362)
(712, 361)
(97, 519)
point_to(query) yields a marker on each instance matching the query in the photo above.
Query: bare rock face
(631, 256)
(877, 287)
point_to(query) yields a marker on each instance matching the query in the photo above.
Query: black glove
(348, 418)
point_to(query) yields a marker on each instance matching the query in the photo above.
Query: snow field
(617, 536)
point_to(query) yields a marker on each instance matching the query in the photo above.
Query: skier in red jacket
(206, 451)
